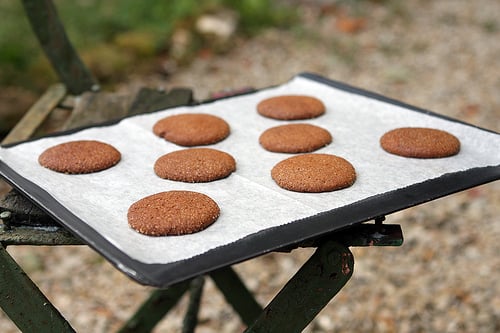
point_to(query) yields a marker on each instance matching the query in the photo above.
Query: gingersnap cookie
(295, 138)
(418, 142)
(192, 129)
(79, 157)
(291, 107)
(195, 165)
(172, 213)
(314, 173)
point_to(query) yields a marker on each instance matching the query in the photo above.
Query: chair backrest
(50, 32)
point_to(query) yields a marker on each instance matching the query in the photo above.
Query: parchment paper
(249, 199)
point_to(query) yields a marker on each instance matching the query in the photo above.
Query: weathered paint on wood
(36, 114)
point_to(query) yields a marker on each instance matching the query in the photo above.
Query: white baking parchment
(249, 199)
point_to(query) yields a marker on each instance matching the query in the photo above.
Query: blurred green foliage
(90, 24)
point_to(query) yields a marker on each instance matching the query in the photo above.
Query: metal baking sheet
(256, 215)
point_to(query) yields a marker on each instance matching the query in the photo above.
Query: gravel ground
(439, 55)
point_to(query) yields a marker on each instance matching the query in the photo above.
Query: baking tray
(257, 216)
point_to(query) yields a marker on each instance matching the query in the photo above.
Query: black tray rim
(268, 240)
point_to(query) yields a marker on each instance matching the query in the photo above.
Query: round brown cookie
(172, 213)
(195, 165)
(78, 157)
(420, 142)
(295, 138)
(291, 107)
(314, 173)
(192, 129)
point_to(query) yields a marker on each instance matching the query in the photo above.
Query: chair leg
(237, 294)
(309, 290)
(191, 317)
(24, 303)
(155, 308)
